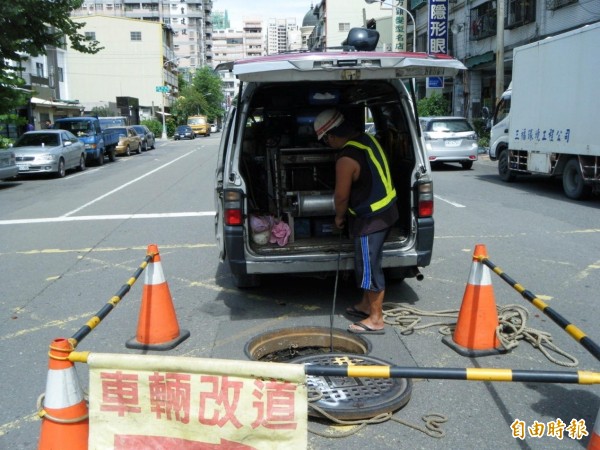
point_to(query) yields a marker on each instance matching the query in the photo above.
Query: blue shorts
(368, 253)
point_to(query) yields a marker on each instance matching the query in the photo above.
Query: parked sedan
(8, 164)
(49, 151)
(450, 139)
(184, 132)
(147, 136)
(129, 141)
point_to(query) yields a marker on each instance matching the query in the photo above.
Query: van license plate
(23, 166)
(453, 143)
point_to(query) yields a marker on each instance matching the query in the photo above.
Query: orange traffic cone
(594, 443)
(157, 325)
(64, 412)
(475, 333)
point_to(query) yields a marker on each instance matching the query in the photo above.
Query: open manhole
(286, 344)
(352, 398)
(344, 398)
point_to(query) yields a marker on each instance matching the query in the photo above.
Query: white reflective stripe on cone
(62, 389)
(480, 275)
(154, 274)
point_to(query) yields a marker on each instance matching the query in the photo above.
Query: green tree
(204, 95)
(26, 28)
(434, 105)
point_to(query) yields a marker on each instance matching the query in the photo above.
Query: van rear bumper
(242, 263)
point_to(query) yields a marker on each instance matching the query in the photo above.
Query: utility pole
(499, 50)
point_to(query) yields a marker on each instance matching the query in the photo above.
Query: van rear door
(345, 66)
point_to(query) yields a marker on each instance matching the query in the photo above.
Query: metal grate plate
(351, 398)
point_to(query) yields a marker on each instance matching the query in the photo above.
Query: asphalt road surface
(68, 245)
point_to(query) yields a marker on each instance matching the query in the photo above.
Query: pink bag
(280, 233)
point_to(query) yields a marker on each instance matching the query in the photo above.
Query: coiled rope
(512, 328)
(431, 428)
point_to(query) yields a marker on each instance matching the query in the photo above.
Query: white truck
(547, 121)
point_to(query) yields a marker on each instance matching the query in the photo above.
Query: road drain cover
(351, 398)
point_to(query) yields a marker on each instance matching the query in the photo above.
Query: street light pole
(407, 12)
(164, 125)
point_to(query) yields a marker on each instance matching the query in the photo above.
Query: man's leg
(375, 306)
(368, 251)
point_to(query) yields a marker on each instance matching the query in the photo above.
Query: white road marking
(458, 205)
(123, 186)
(108, 217)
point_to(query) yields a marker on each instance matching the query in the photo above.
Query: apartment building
(137, 58)
(282, 36)
(230, 45)
(471, 36)
(190, 20)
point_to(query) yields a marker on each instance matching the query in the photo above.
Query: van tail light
(233, 208)
(425, 199)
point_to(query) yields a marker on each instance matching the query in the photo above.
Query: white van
(272, 168)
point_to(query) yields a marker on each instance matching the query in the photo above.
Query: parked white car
(450, 139)
(49, 151)
(8, 164)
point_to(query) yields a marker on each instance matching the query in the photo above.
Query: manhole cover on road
(351, 398)
(287, 343)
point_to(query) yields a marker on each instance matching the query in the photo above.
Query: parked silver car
(49, 151)
(450, 139)
(8, 165)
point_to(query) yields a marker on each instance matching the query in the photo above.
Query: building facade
(190, 20)
(230, 45)
(137, 58)
(472, 36)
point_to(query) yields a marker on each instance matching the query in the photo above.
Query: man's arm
(346, 170)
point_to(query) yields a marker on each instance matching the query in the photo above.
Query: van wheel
(573, 183)
(504, 166)
(466, 164)
(100, 159)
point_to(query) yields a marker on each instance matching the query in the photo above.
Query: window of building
(61, 76)
(483, 21)
(556, 4)
(519, 12)
(136, 35)
(343, 26)
(39, 69)
(90, 35)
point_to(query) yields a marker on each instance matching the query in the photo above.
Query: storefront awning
(49, 103)
(479, 59)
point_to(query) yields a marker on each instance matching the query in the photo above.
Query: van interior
(290, 175)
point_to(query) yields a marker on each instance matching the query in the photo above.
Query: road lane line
(126, 184)
(458, 205)
(108, 217)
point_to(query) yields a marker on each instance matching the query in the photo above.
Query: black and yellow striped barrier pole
(562, 322)
(467, 374)
(111, 304)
